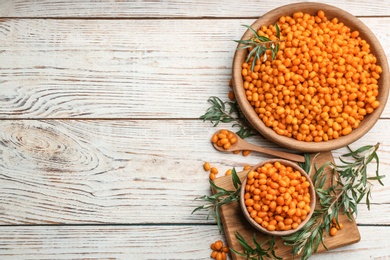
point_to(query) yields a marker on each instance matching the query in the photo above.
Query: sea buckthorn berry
(315, 79)
(340, 226)
(247, 167)
(218, 245)
(206, 166)
(246, 152)
(228, 172)
(279, 202)
(333, 231)
(231, 95)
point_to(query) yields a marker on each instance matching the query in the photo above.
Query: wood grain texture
(107, 242)
(114, 68)
(150, 242)
(99, 171)
(98, 129)
(176, 8)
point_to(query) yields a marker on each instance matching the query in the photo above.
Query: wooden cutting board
(233, 220)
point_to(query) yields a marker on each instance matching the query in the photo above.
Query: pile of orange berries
(225, 138)
(219, 250)
(277, 196)
(322, 82)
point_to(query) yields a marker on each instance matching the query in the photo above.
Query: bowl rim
(288, 142)
(259, 227)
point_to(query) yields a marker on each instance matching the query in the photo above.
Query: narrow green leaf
(360, 150)
(277, 30)
(368, 199)
(236, 252)
(251, 53)
(236, 180)
(264, 39)
(252, 30)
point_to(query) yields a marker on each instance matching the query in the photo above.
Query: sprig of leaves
(227, 112)
(259, 251)
(258, 45)
(220, 198)
(355, 174)
(350, 184)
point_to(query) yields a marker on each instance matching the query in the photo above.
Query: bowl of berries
(277, 197)
(310, 77)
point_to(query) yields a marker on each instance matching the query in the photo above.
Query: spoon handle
(280, 154)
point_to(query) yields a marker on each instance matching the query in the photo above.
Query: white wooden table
(101, 148)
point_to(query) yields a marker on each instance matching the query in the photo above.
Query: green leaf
(258, 246)
(377, 178)
(236, 252)
(356, 152)
(218, 219)
(273, 53)
(259, 251)
(277, 31)
(243, 242)
(368, 199)
(305, 165)
(217, 188)
(198, 208)
(235, 178)
(264, 39)
(251, 53)
(252, 30)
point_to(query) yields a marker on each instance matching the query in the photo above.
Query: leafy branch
(258, 45)
(220, 198)
(350, 184)
(226, 112)
(258, 252)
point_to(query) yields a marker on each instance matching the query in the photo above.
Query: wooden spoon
(241, 144)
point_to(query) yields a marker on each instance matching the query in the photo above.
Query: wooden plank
(150, 242)
(87, 69)
(233, 220)
(373, 245)
(107, 242)
(108, 171)
(175, 8)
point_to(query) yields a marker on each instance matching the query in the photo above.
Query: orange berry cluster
(225, 139)
(334, 227)
(219, 250)
(213, 170)
(277, 196)
(322, 82)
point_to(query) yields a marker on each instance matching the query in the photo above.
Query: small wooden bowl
(312, 199)
(350, 21)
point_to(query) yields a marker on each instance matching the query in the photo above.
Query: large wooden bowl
(350, 21)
